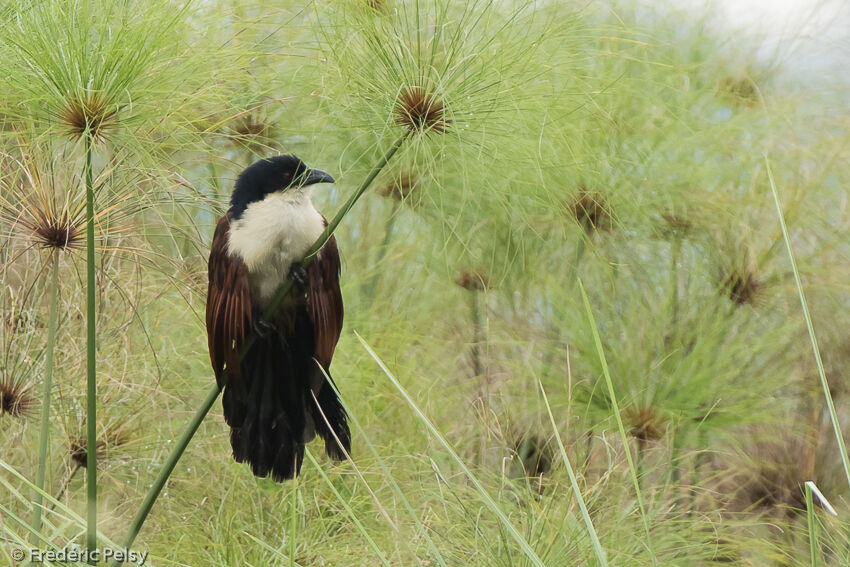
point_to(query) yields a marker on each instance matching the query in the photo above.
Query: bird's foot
(263, 328)
(298, 273)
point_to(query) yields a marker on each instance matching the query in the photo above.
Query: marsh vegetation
(574, 331)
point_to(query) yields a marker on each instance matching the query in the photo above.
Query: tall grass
(830, 405)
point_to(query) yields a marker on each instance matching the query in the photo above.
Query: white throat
(270, 235)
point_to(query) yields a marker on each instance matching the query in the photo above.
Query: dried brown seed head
(113, 438)
(421, 111)
(645, 424)
(535, 452)
(251, 127)
(59, 234)
(675, 226)
(473, 281)
(592, 211)
(89, 114)
(742, 90)
(401, 186)
(741, 285)
(376, 5)
(15, 398)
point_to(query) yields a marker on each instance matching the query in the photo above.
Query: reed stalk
(382, 252)
(91, 354)
(45, 399)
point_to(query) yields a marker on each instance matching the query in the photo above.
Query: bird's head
(272, 175)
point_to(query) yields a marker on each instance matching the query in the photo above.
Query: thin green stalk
(45, 399)
(475, 310)
(588, 448)
(91, 358)
(65, 485)
(591, 531)
(676, 246)
(382, 251)
(836, 425)
(639, 458)
(675, 456)
(615, 408)
(699, 458)
(580, 249)
(212, 395)
(813, 536)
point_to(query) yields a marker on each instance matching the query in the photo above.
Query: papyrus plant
(100, 76)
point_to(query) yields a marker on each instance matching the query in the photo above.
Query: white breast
(270, 235)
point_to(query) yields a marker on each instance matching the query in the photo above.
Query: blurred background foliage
(608, 143)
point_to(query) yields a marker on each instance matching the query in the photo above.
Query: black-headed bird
(270, 397)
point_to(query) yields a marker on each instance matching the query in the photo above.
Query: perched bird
(268, 397)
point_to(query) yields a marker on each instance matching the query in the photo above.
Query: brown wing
(228, 305)
(325, 301)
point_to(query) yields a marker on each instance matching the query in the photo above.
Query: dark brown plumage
(229, 316)
(268, 396)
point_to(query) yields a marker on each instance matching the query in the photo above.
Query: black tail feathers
(330, 420)
(272, 414)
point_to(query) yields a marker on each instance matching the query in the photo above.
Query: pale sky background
(811, 37)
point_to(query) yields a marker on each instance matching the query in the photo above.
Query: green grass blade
(530, 554)
(591, 531)
(58, 507)
(833, 416)
(270, 549)
(813, 536)
(615, 408)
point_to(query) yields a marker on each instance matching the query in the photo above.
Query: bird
(280, 395)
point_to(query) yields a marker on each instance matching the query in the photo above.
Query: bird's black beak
(313, 176)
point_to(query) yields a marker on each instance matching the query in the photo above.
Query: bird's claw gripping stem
(298, 273)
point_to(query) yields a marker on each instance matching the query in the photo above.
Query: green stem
(675, 456)
(45, 400)
(212, 395)
(91, 354)
(640, 455)
(699, 458)
(477, 325)
(601, 557)
(676, 246)
(382, 252)
(813, 535)
(65, 485)
(579, 254)
(588, 448)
